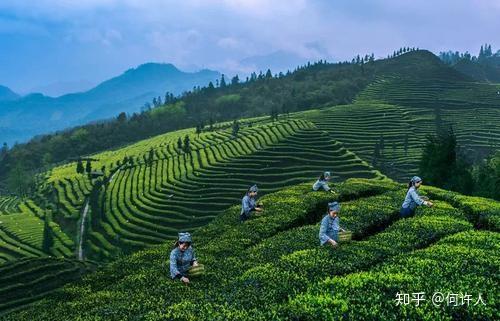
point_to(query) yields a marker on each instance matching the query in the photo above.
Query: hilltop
(484, 68)
(7, 94)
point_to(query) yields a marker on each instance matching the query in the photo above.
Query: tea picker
(413, 199)
(330, 229)
(183, 262)
(322, 183)
(249, 204)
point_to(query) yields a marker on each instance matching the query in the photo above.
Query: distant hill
(7, 94)
(485, 67)
(35, 113)
(487, 70)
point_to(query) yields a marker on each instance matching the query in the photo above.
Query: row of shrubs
(483, 212)
(270, 267)
(457, 266)
(225, 238)
(270, 284)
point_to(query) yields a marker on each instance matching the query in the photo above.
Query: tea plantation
(272, 267)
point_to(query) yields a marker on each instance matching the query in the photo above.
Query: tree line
(444, 164)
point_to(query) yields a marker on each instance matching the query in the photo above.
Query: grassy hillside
(152, 189)
(135, 209)
(272, 268)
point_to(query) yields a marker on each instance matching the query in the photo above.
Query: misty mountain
(24, 117)
(7, 94)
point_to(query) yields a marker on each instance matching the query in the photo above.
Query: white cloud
(220, 33)
(230, 43)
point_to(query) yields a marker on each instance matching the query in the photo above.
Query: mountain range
(22, 117)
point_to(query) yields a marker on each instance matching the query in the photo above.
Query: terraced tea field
(431, 92)
(397, 114)
(276, 269)
(8, 204)
(21, 234)
(363, 126)
(137, 203)
(152, 189)
(29, 279)
(136, 207)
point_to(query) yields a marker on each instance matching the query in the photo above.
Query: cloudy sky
(88, 41)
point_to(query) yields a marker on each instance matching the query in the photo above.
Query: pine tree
(179, 144)
(222, 81)
(487, 50)
(236, 128)
(376, 154)
(3, 151)
(88, 167)
(187, 146)
(48, 238)
(443, 166)
(235, 80)
(210, 124)
(381, 143)
(438, 120)
(79, 166)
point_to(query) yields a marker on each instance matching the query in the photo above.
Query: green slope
(134, 208)
(272, 268)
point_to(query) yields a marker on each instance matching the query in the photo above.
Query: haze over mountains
(27, 116)
(59, 88)
(22, 117)
(63, 104)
